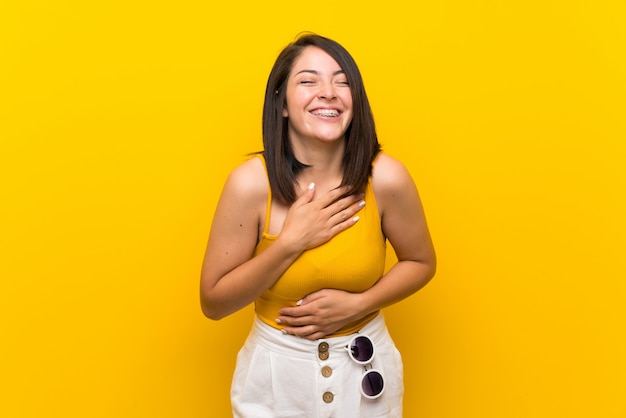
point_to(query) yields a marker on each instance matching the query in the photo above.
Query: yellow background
(121, 119)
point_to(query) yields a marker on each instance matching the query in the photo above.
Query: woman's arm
(231, 277)
(404, 224)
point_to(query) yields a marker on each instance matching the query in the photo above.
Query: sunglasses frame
(365, 363)
(353, 343)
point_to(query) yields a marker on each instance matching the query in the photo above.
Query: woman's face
(318, 99)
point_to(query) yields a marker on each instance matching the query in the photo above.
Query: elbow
(425, 275)
(431, 268)
(210, 311)
(215, 316)
(211, 308)
(427, 270)
(210, 304)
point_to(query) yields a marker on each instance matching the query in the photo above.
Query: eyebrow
(317, 72)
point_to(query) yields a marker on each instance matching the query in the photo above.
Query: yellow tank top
(353, 260)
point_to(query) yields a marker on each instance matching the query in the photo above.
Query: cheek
(351, 110)
(347, 100)
(286, 109)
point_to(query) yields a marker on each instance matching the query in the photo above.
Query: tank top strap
(268, 205)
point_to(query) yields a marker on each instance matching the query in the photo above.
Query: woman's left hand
(321, 313)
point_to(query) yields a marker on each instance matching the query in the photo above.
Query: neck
(325, 164)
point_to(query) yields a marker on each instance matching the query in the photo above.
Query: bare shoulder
(390, 176)
(248, 181)
(241, 207)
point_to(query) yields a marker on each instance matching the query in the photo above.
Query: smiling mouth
(327, 113)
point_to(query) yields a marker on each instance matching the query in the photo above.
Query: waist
(273, 339)
(267, 312)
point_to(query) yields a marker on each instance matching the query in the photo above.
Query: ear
(285, 113)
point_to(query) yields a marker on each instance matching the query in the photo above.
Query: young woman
(301, 230)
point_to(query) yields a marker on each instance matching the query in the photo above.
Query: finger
(346, 217)
(296, 310)
(343, 225)
(307, 196)
(315, 336)
(306, 331)
(311, 333)
(296, 325)
(290, 312)
(333, 196)
(348, 212)
(312, 297)
(345, 208)
(294, 316)
(354, 201)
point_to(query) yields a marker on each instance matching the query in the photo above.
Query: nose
(327, 91)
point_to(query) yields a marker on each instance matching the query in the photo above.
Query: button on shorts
(280, 376)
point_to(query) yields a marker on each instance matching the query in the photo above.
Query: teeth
(328, 113)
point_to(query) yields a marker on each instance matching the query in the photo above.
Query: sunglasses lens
(372, 384)
(362, 349)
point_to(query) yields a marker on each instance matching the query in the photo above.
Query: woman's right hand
(232, 275)
(311, 222)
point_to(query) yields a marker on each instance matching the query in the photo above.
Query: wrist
(289, 248)
(361, 306)
(364, 304)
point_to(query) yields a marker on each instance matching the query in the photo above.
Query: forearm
(324, 312)
(401, 281)
(233, 278)
(245, 283)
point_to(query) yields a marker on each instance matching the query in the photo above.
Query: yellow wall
(120, 120)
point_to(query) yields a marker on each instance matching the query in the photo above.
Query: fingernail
(278, 321)
(356, 218)
(311, 186)
(362, 203)
(298, 303)
(283, 331)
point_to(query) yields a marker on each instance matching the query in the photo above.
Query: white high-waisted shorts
(281, 376)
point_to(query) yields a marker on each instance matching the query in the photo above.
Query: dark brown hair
(361, 145)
